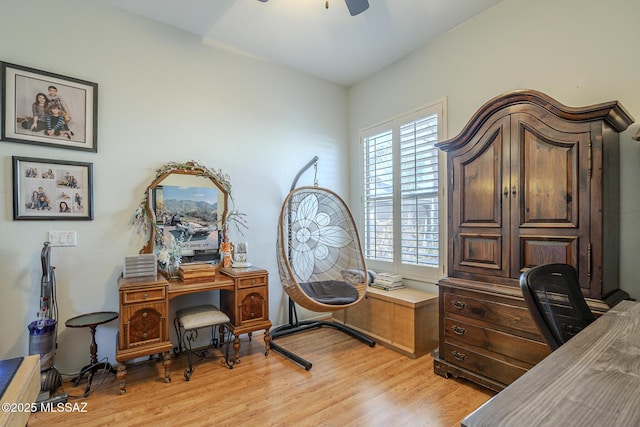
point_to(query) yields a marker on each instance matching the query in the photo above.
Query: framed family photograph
(52, 189)
(48, 109)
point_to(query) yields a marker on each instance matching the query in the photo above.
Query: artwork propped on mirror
(184, 213)
(189, 214)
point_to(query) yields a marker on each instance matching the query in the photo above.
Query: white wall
(163, 96)
(579, 52)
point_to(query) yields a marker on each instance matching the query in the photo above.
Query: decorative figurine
(225, 252)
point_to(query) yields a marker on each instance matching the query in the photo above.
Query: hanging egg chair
(320, 260)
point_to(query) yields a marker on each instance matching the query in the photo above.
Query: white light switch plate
(62, 238)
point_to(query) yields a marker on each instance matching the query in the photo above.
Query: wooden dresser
(531, 182)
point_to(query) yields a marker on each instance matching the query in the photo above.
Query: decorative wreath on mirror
(143, 223)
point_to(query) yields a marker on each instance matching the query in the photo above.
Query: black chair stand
(295, 326)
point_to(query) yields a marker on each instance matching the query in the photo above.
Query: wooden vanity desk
(144, 312)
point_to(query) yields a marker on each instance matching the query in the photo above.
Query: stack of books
(197, 271)
(388, 282)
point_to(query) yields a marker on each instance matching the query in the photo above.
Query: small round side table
(91, 321)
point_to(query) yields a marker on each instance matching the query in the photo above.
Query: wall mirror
(188, 202)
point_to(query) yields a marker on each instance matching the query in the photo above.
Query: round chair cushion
(332, 292)
(200, 316)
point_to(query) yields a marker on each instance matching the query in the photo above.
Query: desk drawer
(510, 316)
(143, 295)
(251, 282)
(490, 367)
(467, 334)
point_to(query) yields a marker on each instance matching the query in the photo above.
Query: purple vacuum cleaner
(42, 333)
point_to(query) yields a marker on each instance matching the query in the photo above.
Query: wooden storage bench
(405, 320)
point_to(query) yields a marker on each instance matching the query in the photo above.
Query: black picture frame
(26, 120)
(47, 189)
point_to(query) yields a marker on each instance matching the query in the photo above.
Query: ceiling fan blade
(357, 6)
(263, 1)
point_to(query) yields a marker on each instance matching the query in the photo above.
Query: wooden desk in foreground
(592, 380)
(22, 389)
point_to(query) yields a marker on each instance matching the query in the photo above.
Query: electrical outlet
(62, 238)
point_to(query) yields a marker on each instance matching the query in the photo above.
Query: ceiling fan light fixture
(356, 7)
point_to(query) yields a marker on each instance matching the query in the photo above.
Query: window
(402, 194)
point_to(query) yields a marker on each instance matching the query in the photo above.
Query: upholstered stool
(187, 323)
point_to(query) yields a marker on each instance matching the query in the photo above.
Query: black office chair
(553, 296)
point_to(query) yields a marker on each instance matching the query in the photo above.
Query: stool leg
(214, 340)
(221, 334)
(179, 348)
(226, 341)
(189, 337)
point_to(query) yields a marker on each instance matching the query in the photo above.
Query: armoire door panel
(551, 169)
(478, 220)
(551, 174)
(479, 177)
(537, 250)
(478, 186)
(549, 200)
(480, 251)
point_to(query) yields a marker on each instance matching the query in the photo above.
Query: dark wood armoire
(531, 181)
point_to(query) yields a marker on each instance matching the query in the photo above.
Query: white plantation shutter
(419, 192)
(378, 190)
(401, 194)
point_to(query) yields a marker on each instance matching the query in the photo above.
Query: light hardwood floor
(350, 384)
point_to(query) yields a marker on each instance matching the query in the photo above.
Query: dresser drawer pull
(253, 282)
(145, 295)
(144, 314)
(458, 330)
(144, 335)
(459, 356)
(458, 304)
